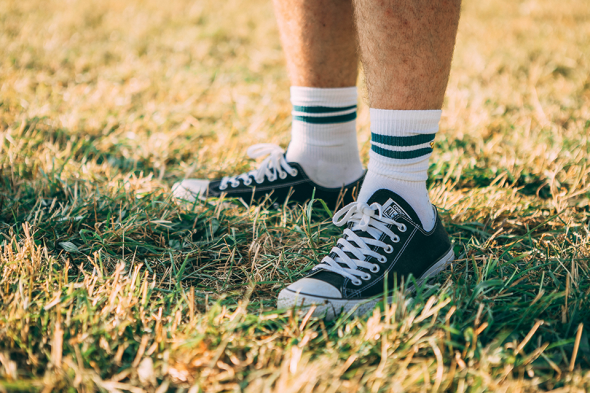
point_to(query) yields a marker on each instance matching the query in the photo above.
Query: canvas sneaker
(275, 177)
(383, 239)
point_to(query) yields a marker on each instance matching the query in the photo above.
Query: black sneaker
(384, 238)
(275, 177)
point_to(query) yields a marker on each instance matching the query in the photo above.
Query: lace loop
(272, 167)
(369, 219)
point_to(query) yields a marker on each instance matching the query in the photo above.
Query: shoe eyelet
(272, 178)
(223, 187)
(388, 249)
(247, 182)
(382, 259)
(258, 181)
(375, 268)
(395, 239)
(357, 282)
(283, 175)
(294, 172)
(234, 185)
(402, 226)
(366, 277)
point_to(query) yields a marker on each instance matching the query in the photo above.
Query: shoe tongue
(394, 205)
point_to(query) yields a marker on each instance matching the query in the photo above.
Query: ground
(107, 284)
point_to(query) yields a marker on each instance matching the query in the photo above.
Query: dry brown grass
(106, 284)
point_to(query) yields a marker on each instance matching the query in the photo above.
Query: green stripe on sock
(326, 119)
(402, 140)
(401, 155)
(321, 109)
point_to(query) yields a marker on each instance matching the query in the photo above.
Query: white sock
(398, 161)
(323, 135)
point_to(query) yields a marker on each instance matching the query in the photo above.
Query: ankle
(401, 144)
(323, 136)
(328, 168)
(413, 192)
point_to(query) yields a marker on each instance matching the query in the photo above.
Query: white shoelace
(272, 166)
(371, 220)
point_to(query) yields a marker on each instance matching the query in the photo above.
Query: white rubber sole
(331, 307)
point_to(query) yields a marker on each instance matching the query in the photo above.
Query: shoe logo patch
(392, 209)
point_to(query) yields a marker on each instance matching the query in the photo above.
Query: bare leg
(406, 50)
(319, 41)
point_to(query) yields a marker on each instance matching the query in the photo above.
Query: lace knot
(272, 167)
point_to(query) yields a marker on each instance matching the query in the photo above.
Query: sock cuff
(403, 123)
(324, 97)
(403, 135)
(323, 134)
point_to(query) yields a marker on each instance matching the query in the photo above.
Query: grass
(108, 285)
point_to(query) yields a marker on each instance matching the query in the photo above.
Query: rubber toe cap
(190, 189)
(316, 288)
